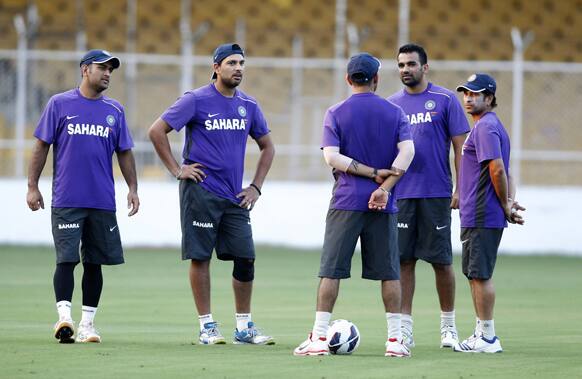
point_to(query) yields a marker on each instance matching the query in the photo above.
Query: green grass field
(147, 321)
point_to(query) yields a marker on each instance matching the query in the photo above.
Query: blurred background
(296, 57)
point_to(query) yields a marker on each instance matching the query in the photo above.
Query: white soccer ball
(343, 337)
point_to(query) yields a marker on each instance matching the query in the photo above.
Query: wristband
(385, 190)
(255, 187)
(375, 173)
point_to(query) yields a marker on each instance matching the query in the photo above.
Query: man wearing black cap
(362, 137)
(215, 209)
(487, 204)
(85, 129)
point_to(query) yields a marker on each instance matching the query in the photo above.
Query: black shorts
(379, 241)
(424, 230)
(210, 222)
(95, 229)
(480, 246)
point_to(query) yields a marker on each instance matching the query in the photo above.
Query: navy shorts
(210, 222)
(424, 230)
(95, 230)
(480, 246)
(378, 238)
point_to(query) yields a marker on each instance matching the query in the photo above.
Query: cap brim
(468, 87)
(114, 61)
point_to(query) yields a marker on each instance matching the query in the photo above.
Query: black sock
(92, 284)
(64, 281)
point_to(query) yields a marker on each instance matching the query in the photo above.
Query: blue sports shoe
(251, 336)
(210, 335)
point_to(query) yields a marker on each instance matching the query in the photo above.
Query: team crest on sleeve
(429, 105)
(110, 120)
(242, 111)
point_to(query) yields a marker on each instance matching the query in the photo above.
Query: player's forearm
(158, 135)
(391, 180)
(264, 164)
(37, 162)
(458, 142)
(360, 169)
(512, 189)
(127, 166)
(499, 181)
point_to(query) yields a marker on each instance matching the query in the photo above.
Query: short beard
(412, 83)
(229, 83)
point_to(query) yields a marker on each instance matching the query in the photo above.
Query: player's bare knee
(243, 269)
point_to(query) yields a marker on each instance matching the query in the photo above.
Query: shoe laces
(211, 329)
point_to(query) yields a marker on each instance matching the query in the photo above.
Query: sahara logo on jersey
(419, 118)
(88, 129)
(225, 124)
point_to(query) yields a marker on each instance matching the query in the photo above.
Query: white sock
(321, 325)
(448, 319)
(242, 320)
(406, 321)
(87, 314)
(394, 321)
(488, 328)
(64, 309)
(204, 319)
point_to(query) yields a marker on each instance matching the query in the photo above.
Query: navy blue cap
(224, 51)
(363, 67)
(478, 83)
(100, 56)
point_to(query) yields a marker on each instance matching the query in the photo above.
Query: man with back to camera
(214, 208)
(361, 134)
(487, 204)
(425, 195)
(85, 128)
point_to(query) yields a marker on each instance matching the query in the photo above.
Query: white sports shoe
(88, 333)
(210, 335)
(407, 338)
(449, 336)
(252, 335)
(64, 330)
(477, 343)
(398, 349)
(310, 346)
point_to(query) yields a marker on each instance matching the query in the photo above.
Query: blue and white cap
(224, 51)
(478, 83)
(363, 67)
(100, 56)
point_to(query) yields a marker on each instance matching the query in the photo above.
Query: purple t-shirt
(435, 116)
(217, 129)
(84, 133)
(366, 128)
(479, 206)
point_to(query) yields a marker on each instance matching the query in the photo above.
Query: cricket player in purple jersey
(425, 195)
(214, 208)
(85, 128)
(362, 136)
(487, 204)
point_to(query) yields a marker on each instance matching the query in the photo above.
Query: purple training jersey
(435, 116)
(366, 128)
(479, 206)
(84, 133)
(217, 129)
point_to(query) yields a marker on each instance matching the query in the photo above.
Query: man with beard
(214, 208)
(425, 194)
(85, 128)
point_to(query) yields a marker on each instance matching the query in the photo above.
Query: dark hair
(494, 101)
(413, 48)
